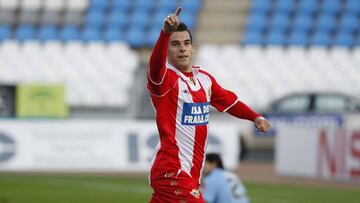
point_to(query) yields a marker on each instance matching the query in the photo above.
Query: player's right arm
(157, 66)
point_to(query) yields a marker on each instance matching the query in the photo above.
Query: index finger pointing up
(178, 10)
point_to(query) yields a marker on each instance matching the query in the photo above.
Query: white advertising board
(95, 145)
(318, 151)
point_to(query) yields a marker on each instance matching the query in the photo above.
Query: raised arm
(157, 67)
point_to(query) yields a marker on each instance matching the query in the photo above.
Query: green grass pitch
(87, 189)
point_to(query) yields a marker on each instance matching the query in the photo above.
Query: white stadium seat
(9, 4)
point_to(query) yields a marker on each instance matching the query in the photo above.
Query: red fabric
(157, 67)
(241, 110)
(171, 188)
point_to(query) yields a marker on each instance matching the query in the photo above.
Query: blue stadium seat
(331, 7)
(25, 32)
(99, 4)
(90, 34)
(326, 22)
(117, 19)
(158, 18)
(321, 38)
(168, 5)
(5, 32)
(284, 6)
(353, 7)
(69, 33)
(47, 33)
(95, 19)
(257, 22)
(112, 34)
(136, 37)
(145, 5)
(261, 6)
(308, 6)
(152, 36)
(140, 19)
(253, 38)
(344, 39)
(298, 38)
(303, 22)
(349, 22)
(121, 5)
(275, 37)
(191, 5)
(280, 22)
(189, 19)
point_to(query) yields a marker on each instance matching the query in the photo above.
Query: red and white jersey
(182, 108)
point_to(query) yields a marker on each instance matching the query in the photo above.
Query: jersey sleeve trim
(162, 79)
(233, 104)
(156, 95)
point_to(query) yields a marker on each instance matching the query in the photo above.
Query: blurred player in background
(220, 185)
(181, 95)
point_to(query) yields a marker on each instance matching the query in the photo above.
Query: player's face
(180, 51)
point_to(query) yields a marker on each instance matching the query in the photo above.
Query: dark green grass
(81, 189)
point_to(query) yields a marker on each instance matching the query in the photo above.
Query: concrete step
(218, 36)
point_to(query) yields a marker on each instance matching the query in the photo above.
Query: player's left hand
(262, 124)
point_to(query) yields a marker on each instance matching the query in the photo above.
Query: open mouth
(183, 57)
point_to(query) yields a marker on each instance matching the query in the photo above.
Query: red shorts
(173, 188)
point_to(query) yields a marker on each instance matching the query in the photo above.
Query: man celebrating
(181, 95)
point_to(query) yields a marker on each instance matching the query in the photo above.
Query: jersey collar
(194, 69)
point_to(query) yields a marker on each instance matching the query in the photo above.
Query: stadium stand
(336, 22)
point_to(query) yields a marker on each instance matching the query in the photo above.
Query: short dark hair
(215, 158)
(182, 27)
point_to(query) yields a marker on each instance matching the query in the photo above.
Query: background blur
(77, 124)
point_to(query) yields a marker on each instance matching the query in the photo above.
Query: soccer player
(220, 185)
(181, 95)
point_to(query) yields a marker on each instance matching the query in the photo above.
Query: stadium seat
(352, 7)
(69, 33)
(298, 38)
(168, 5)
(117, 19)
(261, 6)
(284, 6)
(140, 19)
(331, 7)
(136, 37)
(100, 5)
(145, 5)
(321, 38)
(113, 34)
(253, 38)
(53, 5)
(25, 32)
(95, 19)
(46, 33)
(5, 32)
(121, 5)
(33, 5)
(91, 34)
(189, 19)
(191, 5)
(76, 6)
(29, 17)
(326, 22)
(275, 37)
(344, 39)
(9, 5)
(280, 22)
(303, 22)
(256, 22)
(349, 23)
(74, 18)
(152, 36)
(7, 17)
(307, 6)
